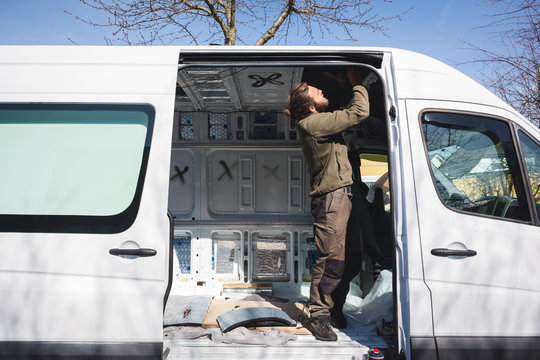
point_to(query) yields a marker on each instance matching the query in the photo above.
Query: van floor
(353, 343)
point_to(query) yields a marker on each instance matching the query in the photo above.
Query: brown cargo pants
(331, 213)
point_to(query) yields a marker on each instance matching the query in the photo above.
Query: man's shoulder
(314, 117)
(304, 122)
(314, 123)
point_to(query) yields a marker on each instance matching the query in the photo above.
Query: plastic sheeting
(382, 183)
(241, 335)
(377, 304)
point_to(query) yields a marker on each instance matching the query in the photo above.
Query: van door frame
(377, 61)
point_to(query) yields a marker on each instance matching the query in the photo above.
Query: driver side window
(474, 164)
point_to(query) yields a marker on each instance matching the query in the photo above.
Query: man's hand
(341, 80)
(355, 76)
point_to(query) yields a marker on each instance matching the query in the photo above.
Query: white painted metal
(352, 344)
(67, 287)
(494, 293)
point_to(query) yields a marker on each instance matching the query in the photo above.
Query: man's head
(320, 103)
(305, 100)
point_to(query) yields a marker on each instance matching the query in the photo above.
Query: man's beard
(321, 105)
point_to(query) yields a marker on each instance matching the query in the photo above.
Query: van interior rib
(243, 234)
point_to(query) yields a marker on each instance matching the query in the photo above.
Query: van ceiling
(235, 88)
(262, 80)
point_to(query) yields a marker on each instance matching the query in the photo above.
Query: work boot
(321, 329)
(337, 319)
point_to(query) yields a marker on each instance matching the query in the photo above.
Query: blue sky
(437, 28)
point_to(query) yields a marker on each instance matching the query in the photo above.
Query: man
(325, 154)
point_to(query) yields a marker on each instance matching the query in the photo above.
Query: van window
(76, 167)
(474, 164)
(374, 173)
(531, 153)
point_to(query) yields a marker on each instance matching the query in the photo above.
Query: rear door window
(72, 168)
(474, 164)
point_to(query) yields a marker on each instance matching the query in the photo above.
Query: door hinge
(402, 355)
(392, 113)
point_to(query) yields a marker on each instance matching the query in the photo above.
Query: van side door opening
(238, 182)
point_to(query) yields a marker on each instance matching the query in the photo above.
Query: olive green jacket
(324, 148)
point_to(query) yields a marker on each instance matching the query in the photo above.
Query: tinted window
(531, 153)
(474, 164)
(72, 168)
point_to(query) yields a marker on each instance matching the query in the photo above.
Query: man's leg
(331, 213)
(353, 265)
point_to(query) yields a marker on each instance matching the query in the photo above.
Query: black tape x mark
(271, 171)
(180, 173)
(261, 81)
(226, 169)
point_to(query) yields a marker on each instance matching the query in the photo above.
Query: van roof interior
(216, 88)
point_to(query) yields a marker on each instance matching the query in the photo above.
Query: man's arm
(355, 76)
(325, 124)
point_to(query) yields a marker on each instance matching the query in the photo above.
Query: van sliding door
(83, 203)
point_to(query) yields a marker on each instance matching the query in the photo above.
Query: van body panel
(65, 289)
(401, 275)
(494, 293)
(487, 348)
(88, 55)
(87, 70)
(416, 297)
(65, 292)
(423, 348)
(43, 350)
(421, 77)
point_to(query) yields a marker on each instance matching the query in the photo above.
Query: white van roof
(416, 76)
(419, 76)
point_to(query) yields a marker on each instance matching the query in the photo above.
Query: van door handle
(133, 252)
(452, 252)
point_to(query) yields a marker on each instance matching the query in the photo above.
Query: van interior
(240, 212)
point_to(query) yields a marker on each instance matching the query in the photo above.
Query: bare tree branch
(214, 14)
(514, 74)
(277, 24)
(199, 21)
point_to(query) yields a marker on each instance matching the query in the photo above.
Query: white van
(132, 177)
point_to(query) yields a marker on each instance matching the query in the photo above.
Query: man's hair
(299, 102)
